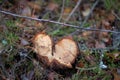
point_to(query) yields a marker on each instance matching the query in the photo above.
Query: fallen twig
(46, 20)
(116, 15)
(91, 68)
(86, 18)
(63, 5)
(74, 9)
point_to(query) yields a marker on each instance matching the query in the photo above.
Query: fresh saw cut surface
(64, 53)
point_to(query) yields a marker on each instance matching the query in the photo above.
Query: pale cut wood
(63, 55)
(65, 52)
(43, 46)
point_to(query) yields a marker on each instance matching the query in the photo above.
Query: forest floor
(93, 24)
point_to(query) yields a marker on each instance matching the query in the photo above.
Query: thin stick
(55, 22)
(87, 17)
(116, 15)
(74, 9)
(91, 68)
(63, 5)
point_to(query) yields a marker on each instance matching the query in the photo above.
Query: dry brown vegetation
(59, 40)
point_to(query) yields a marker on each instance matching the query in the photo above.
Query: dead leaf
(23, 42)
(3, 28)
(66, 12)
(86, 12)
(86, 34)
(20, 25)
(106, 25)
(115, 74)
(80, 64)
(99, 13)
(26, 11)
(38, 24)
(113, 55)
(52, 6)
(105, 37)
(99, 45)
(34, 5)
(110, 17)
(3, 77)
(90, 59)
(105, 34)
(22, 3)
(109, 41)
(51, 76)
(85, 9)
(90, 43)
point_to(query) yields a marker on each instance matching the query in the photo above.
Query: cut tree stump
(62, 56)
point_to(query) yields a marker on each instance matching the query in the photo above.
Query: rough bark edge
(43, 59)
(57, 63)
(54, 63)
(70, 38)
